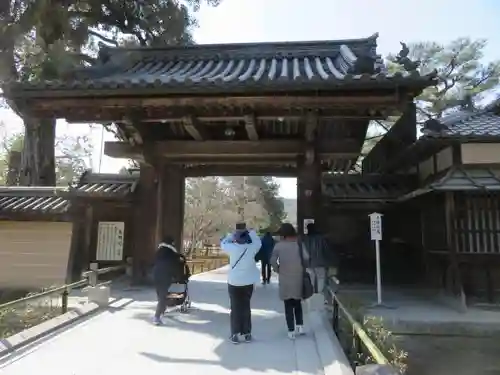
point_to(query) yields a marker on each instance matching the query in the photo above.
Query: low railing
(36, 308)
(205, 265)
(359, 348)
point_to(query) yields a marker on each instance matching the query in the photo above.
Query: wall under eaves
(480, 153)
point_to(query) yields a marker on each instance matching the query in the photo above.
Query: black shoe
(248, 337)
(234, 339)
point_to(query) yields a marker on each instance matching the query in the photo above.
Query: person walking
(241, 246)
(316, 253)
(286, 261)
(264, 256)
(166, 264)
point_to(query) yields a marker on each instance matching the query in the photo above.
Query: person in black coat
(165, 270)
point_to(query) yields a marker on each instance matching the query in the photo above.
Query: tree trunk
(14, 168)
(38, 157)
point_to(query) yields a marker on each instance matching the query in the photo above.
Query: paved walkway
(122, 340)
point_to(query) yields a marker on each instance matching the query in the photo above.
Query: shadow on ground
(209, 315)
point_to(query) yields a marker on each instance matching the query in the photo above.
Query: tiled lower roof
(467, 179)
(469, 123)
(33, 200)
(366, 187)
(105, 185)
(57, 200)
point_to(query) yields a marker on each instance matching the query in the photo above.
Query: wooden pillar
(455, 279)
(145, 223)
(171, 202)
(75, 265)
(309, 200)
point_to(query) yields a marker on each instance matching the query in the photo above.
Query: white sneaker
(291, 335)
(299, 330)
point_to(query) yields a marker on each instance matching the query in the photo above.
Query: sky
(299, 20)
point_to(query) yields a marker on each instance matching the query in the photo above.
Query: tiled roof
(468, 179)
(286, 65)
(105, 185)
(366, 187)
(467, 123)
(57, 200)
(40, 200)
(461, 179)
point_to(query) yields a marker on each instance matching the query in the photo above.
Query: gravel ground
(438, 355)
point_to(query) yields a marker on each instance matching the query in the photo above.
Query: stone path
(122, 340)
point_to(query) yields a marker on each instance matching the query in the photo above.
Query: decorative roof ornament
(467, 102)
(403, 59)
(104, 54)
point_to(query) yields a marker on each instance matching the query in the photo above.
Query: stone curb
(332, 357)
(23, 338)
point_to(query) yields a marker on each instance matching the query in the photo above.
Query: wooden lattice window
(477, 223)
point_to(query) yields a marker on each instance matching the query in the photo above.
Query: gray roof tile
(467, 123)
(29, 200)
(57, 200)
(468, 179)
(366, 187)
(233, 66)
(105, 185)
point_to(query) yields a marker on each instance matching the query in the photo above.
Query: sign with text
(306, 223)
(375, 226)
(110, 236)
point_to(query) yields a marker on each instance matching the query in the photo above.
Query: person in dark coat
(165, 269)
(264, 255)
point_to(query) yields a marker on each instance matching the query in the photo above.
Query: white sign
(306, 223)
(110, 237)
(376, 235)
(376, 226)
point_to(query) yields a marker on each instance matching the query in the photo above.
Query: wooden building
(456, 163)
(50, 235)
(35, 237)
(285, 109)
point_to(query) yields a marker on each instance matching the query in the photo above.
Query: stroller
(178, 293)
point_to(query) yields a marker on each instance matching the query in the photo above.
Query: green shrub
(375, 329)
(26, 315)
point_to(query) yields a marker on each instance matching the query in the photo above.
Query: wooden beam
(293, 114)
(263, 151)
(240, 170)
(312, 101)
(195, 129)
(124, 150)
(257, 149)
(250, 121)
(240, 161)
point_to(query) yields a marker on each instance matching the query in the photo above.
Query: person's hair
(242, 237)
(287, 230)
(241, 226)
(311, 228)
(169, 240)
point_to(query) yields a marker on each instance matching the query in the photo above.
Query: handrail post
(93, 278)
(64, 303)
(335, 320)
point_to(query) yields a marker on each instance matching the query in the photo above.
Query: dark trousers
(293, 313)
(241, 315)
(161, 295)
(265, 267)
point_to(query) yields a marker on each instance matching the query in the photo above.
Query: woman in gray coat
(286, 261)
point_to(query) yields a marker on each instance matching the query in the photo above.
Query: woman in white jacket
(241, 246)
